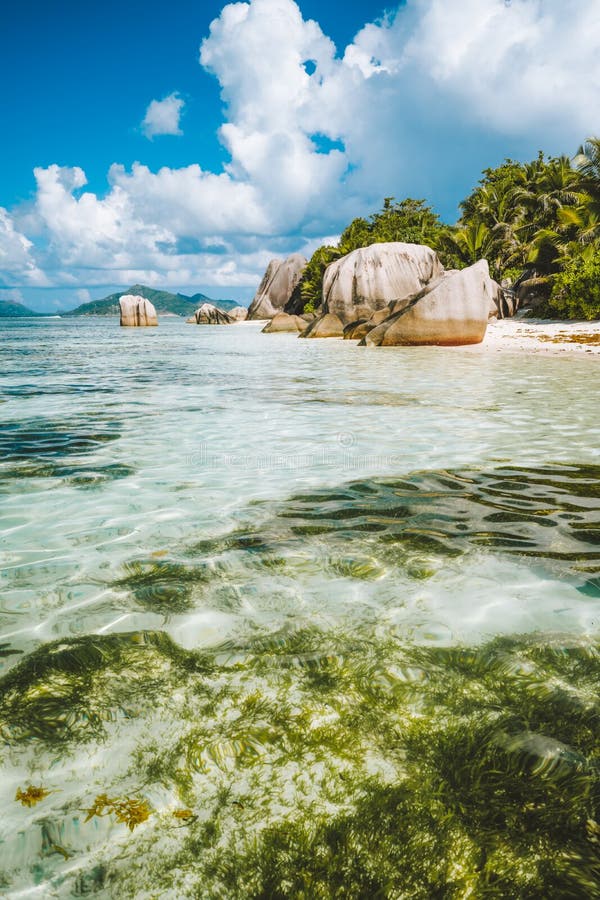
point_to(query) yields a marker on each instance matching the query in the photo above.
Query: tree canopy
(540, 218)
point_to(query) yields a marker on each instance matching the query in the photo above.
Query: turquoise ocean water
(285, 618)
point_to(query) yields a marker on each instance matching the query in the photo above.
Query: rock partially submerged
(450, 311)
(137, 312)
(370, 278)
(327, 326)
(282, 323)
(357, 330)
(277, 286)
(208, 314)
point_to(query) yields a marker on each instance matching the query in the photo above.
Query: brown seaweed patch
(31, 795)
(564, 337)
(131, 811)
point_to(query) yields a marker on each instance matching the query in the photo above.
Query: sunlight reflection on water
(252, 497)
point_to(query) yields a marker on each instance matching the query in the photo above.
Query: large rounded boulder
(137, 312)
(277, 286)
(373, 277)
(451, 311)
(208, 314)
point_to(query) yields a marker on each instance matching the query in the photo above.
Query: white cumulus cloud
(417, 104)
(515, 64)
(17, 263)
(258, 52)
(163, 116)
(88, 232)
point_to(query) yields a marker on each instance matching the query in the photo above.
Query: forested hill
(11, 310)
(163, 301)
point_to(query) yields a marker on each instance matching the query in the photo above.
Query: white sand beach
(543, 336)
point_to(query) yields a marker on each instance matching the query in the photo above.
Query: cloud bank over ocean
(314, 135)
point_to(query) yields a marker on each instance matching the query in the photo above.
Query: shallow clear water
(265, 581)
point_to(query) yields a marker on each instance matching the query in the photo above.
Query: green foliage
(576, 290)
(511, 274)
(541, 217)
(410, 221)
(468, 244)
(520, 205)
(533, 217)
(587, 163)
(311, 284)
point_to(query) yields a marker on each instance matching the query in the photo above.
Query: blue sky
(80, 75)
(154, 163)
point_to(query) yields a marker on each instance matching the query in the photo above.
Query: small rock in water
(136, 311)
(209, 314)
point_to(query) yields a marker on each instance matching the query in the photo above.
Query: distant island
(163, 301)
(9, 309)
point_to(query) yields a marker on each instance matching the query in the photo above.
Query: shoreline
(517, 335)
(521, 334)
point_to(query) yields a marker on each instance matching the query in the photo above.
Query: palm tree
(587, 164)
(468, 244)
(582, 221)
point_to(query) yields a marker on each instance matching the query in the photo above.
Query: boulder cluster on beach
(386, 294)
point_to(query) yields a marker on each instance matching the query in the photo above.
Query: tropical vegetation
(538, 220)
